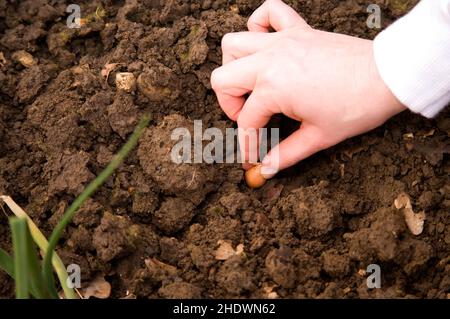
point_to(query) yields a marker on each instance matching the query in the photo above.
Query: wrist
(387, 100)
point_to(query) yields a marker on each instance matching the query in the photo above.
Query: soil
(153, 229)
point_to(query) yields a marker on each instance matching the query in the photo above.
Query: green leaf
(19, 231)
(42, 243)
(6, 263)
(34, 266)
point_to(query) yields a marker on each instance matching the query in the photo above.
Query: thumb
(301, 144)
(275, 14)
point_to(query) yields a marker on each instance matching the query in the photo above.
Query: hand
(327, 81)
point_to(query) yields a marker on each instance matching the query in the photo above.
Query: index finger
(232, 81)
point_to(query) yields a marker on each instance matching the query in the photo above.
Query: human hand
(327, 81)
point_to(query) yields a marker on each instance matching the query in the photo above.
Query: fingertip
(269, 167)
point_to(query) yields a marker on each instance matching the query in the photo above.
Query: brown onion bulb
(254, 178)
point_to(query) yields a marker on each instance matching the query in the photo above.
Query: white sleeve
(413, 57)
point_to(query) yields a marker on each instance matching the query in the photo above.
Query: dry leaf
(98, 288)
(25, 58)
(107, 69)
(226, 251)
(157, 267)
(414, 221)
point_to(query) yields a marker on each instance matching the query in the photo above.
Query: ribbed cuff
(413, 57)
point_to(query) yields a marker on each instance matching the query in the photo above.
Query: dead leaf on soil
(414, 221)
(107, 69)
(98, 288)
(226, 250)
(157, 267)
(25, 58)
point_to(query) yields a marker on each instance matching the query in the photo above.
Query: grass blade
(37, 284)
(42, 243)
(88, 191)
(6, 263)
(19, 237)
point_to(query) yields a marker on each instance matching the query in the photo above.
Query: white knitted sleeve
(413, 57)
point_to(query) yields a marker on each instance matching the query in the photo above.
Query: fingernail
(267, 170)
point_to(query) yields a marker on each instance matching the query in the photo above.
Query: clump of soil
(153, 230)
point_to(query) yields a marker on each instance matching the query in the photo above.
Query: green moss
(184, 56)
(218, 211)
(400, 7)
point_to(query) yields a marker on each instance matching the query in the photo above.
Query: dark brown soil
(153, 229)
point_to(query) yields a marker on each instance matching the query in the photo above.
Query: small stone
(125, 81)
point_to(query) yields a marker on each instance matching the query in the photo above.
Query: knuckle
(228, 41)
(267, 76)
